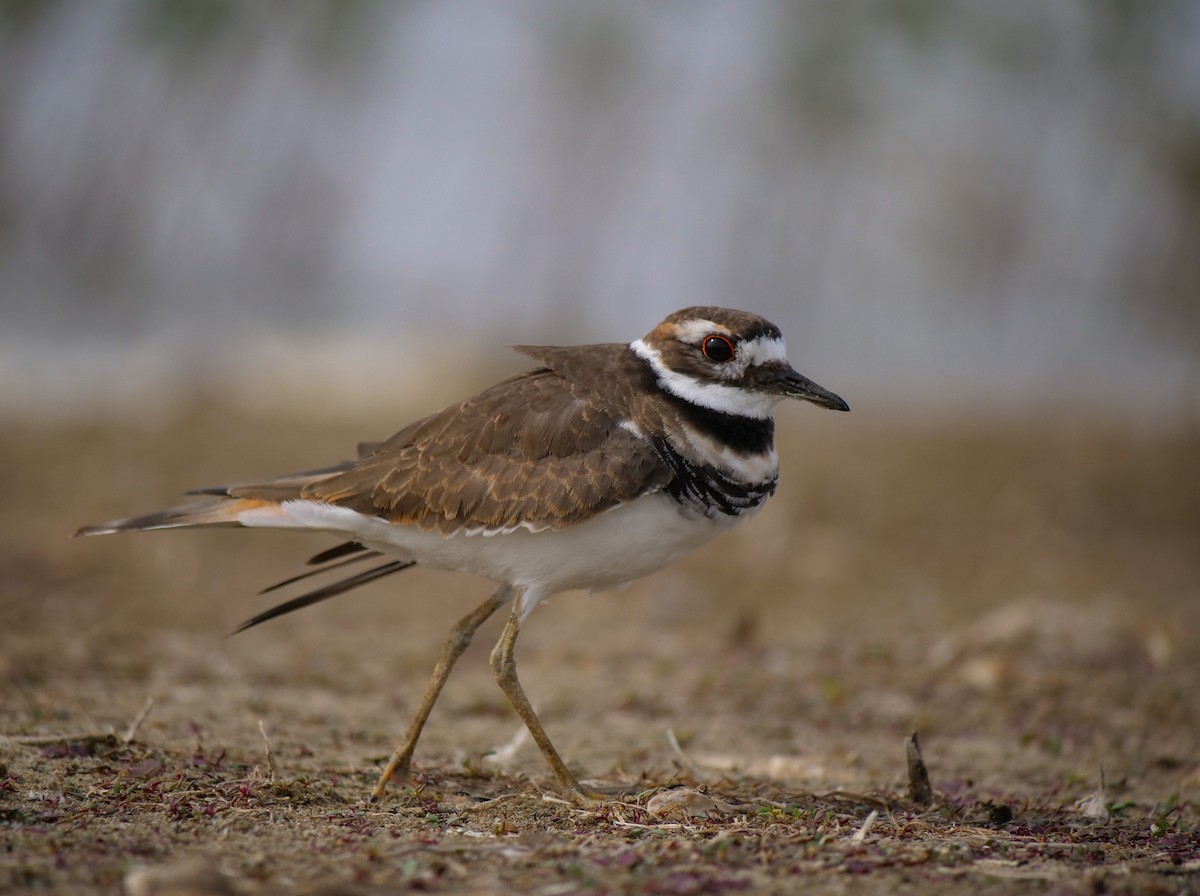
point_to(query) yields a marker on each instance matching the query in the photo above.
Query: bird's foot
(589, 798)
(395, 769)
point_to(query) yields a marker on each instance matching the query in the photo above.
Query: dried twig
(132, 730)
(272, 771)
(503, 755)
(919, 789)
(680, 757)
(45, 740)
(861, 834)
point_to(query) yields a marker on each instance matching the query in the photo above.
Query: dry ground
(1025, 593)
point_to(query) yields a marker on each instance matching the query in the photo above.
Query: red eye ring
(718, 348)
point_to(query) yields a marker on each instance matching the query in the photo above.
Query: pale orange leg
(505, 669)
(458, 641)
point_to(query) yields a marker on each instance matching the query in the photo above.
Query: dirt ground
(1025, 593)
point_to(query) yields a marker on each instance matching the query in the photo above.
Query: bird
(601, 465)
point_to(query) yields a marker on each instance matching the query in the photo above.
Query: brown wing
(536, 450)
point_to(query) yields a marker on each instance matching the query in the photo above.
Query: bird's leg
(458, 640)
(504, 667)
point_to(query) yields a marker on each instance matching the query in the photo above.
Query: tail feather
(228, 512)
(207, 513)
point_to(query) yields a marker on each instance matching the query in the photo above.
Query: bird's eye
(717, 348)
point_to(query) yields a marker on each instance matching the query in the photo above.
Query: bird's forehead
(701, 320)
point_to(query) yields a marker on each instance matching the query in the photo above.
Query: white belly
(607, 551)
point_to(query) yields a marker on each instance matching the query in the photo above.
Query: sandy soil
(1026, 593)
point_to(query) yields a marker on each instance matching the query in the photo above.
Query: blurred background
(946, 205)
(238, 237)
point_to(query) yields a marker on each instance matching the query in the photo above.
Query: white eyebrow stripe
(766, 347)
(762, 350)
(714, 396)
(695, 330)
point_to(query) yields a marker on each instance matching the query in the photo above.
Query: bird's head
(727, 360)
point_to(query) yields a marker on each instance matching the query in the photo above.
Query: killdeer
(602, 465)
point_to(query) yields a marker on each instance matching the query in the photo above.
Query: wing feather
(537, 450)
(324, 593)
(544, 449)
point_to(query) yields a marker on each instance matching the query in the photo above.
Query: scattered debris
(804, 767)
(686, 802)
(1095, 804)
